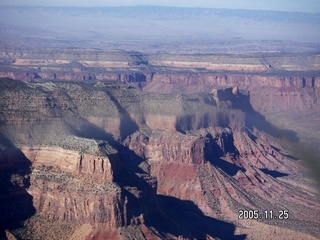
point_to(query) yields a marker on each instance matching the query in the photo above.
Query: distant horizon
(307, 6)
(162, 27)
(154, 6)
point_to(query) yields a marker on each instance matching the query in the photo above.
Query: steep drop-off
(107, 160)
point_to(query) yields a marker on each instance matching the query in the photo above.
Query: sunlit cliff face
(105, 147)
(158, 123)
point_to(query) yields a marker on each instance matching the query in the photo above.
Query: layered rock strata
(290, 82)
(210, 153)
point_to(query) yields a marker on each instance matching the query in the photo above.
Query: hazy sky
(279, 5)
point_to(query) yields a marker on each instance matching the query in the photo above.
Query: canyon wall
(284, 93)
(116, 159)
(289, 82)
(59, 185)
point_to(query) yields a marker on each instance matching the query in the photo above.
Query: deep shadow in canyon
(16, 204)
(165, 214)
(184, 218)
(228, 168)
(273, 173)
(130, 169)
(256, 120)
(214, 153)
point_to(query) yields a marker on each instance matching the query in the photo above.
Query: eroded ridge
(109, 160)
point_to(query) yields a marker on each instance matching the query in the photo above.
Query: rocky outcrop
(140, 158)
(284, 93)
(97, 167)
(64, 185)
(58, 195)
(222, 171)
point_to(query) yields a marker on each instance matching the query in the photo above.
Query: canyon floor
(125, 145)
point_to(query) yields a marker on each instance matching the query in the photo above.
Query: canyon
(125, 145)
(151, 122)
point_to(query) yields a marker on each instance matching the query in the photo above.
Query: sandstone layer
(290, 82)
(109, 160)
